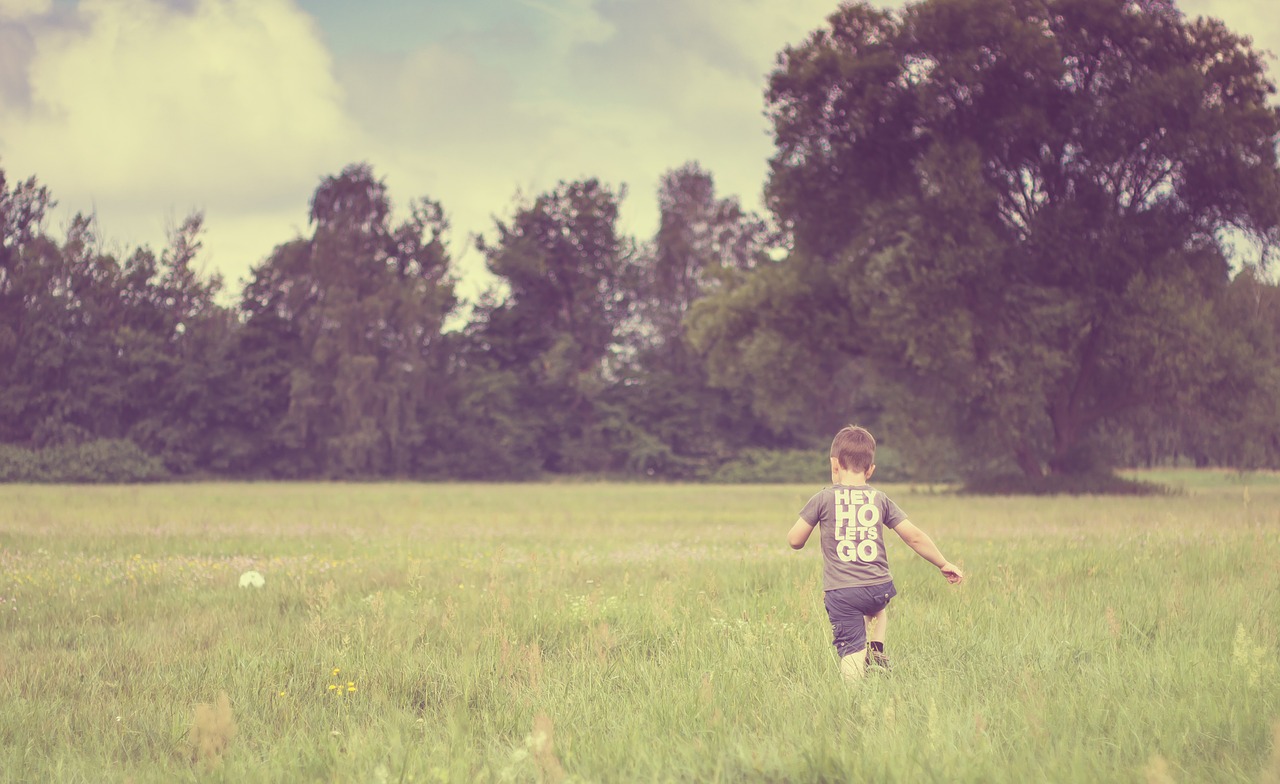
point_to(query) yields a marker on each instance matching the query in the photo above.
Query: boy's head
(854, 449)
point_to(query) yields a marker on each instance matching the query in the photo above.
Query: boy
(855, 572)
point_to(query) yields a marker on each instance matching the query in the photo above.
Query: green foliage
(348, 327)
(999, 238)
(1064, 483)
(780, 334)
(1009, 217)
(682, 424)
(92, 348)
(773, 466)
(798, 466)
(567, 277)
(107, 460)
(701, 238)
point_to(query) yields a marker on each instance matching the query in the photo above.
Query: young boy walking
(856, 582)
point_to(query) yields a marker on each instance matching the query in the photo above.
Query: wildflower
(336, 671)
(282, 693)
(351, 687)
(332, 686)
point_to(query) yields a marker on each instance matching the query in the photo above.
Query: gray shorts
(848, 607)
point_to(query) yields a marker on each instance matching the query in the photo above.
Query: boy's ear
(871, 469)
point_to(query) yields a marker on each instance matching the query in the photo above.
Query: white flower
(252, 579)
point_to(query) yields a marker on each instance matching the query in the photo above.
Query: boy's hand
(952, 573)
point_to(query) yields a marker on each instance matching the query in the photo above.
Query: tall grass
(440, 633)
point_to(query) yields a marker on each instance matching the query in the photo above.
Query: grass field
(612, 632)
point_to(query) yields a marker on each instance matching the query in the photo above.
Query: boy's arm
(799, 533)
(920, 542)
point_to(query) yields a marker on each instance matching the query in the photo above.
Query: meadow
(628, 632)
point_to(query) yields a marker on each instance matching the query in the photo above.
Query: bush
(107, 460)
(798, 466)
(762, 466)
(1092, 483)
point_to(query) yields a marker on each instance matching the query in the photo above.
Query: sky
(142, 111)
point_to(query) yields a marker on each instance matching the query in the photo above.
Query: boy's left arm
(799, 533)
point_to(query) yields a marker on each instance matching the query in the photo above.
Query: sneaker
(878, 659)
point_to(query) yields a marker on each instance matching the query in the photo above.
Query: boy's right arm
(799, 533)
(920, 542)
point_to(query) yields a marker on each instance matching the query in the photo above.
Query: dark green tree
(29, 261)
(549, 341)
(1235, 422)
(355, 314)
(700, 238)
(96, 349)
(1013, 212)
(174, 345)
(682, 423)
(69, 356)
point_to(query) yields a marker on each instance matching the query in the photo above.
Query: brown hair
(855, 448)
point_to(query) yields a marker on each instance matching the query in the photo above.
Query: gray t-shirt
(852, 522)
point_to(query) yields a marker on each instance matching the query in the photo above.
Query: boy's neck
(852, 478)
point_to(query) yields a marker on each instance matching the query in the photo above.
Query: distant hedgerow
(802, 466)
(105, 460)
(1093, 483)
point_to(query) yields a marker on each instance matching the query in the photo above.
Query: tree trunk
(1029, 463)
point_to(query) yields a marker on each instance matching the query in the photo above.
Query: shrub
(798, 466)
(106, 460)
(759, 466)
(1091, 483)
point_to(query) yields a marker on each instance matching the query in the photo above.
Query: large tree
(349, 321)
(548, 341)
(701, 237)
(1020, 209)
(703, 242)
(172, 348)
(93, 348)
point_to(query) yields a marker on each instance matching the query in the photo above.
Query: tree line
(999, 233)
(347, 354)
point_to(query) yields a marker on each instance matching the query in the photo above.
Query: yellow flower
(281, 693)
(336, 671)
(351, 687)
(332, 686)
(350, 684)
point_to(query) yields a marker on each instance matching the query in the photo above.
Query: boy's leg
(853, 666)
(877, 627)
(849, 631)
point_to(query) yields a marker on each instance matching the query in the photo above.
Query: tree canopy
(1024, 211)
(1002, 233)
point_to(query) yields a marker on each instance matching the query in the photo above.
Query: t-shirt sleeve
(892, 514)
(812, 512)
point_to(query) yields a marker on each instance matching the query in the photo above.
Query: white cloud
(20, 9)
(758, 29)
(1257, 20)
(573, 21)
(231, 98)
(140, 109)
(672, 81)
(145, 109)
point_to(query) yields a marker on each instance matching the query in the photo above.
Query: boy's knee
(853, 666)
